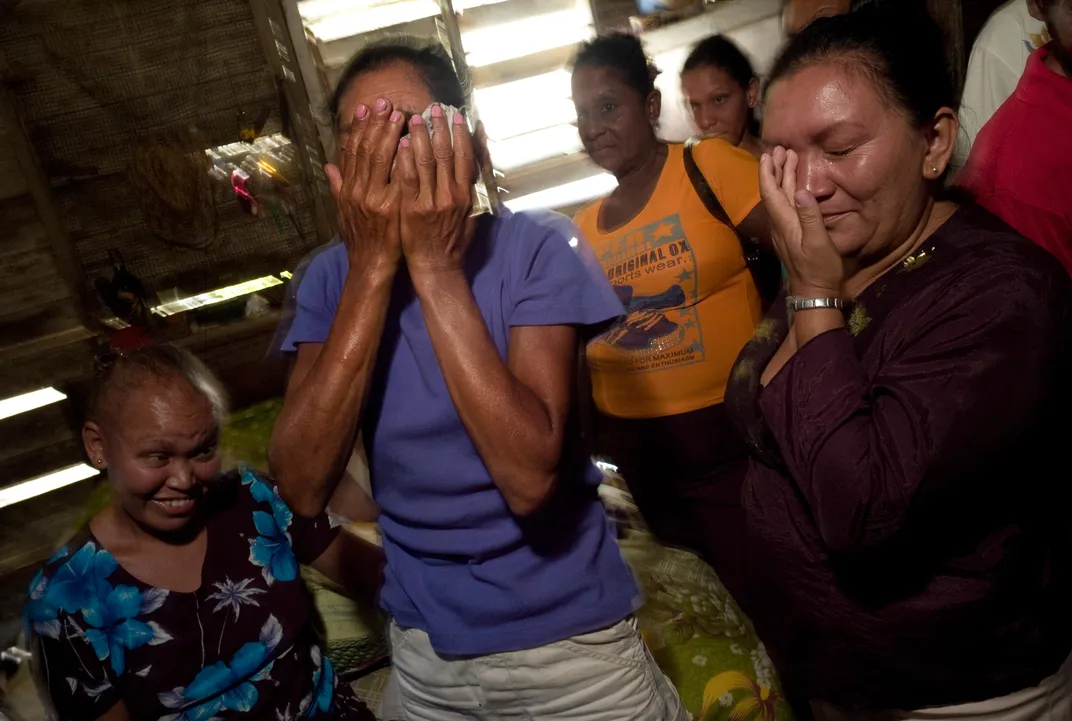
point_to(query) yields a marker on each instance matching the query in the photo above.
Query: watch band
(799, 304)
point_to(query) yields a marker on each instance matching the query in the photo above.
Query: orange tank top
(690, 300)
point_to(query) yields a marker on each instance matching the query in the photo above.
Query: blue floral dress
(243, 646)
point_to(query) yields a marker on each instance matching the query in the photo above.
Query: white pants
(1051, 700)
(608, 675)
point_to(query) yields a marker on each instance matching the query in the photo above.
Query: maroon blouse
(907, 500)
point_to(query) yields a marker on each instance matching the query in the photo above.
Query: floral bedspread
(700, 638)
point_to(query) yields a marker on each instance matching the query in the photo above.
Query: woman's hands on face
(366, 201)
(814, 265)
(436, 181)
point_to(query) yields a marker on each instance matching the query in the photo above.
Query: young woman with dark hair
(722, 91)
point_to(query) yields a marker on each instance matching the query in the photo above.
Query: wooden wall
(83, 85)
(95, 80)
(35, 299)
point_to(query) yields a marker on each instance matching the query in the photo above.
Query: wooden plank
(38, 526)
(317, 95)
(48, 319)
(41, 460)
(520, 68)
(23, 229)
(27, 433)
(62, 250)
(484, 16)
(12, 182)
(336, 52)
(547, 174)
(33, 297)
(26, 368)
(29, 350)
(277, 46)
(27, 281)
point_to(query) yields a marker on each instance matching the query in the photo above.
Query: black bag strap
(711, 202)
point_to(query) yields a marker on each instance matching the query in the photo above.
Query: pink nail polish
(381, 105)
(437, 111)
(459, 119)
(416, 120)
(404, 142)
(396, 116)
(361, 112)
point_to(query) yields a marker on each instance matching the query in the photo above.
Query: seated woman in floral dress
(182, 599)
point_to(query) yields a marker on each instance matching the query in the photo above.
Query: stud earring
(99, 461)
(934, 170)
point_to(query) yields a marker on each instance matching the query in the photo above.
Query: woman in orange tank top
(659, 375)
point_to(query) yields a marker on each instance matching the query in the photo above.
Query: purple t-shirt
(460, 565)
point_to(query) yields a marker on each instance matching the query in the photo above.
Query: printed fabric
(240, 647)
(683, 280)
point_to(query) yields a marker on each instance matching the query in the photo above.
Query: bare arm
(354, 564)
(315, 432)
(515, 412)
(351, 501)
(732, 174)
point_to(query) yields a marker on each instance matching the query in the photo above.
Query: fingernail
(381, 105)
(803, 198)
(459, 119)
(416, 120)
(396, 116)
(404, 142)
(437, 111)
(361, 112)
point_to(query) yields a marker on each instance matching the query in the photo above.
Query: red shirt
(1020, 166)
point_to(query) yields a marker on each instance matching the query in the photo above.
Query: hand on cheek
(814, 265)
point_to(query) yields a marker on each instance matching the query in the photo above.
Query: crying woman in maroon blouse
(907, 407)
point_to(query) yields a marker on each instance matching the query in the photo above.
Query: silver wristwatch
(798, 304)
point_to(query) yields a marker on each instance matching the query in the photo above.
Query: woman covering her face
(448, 342)
(183, 599)
(906, 405)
